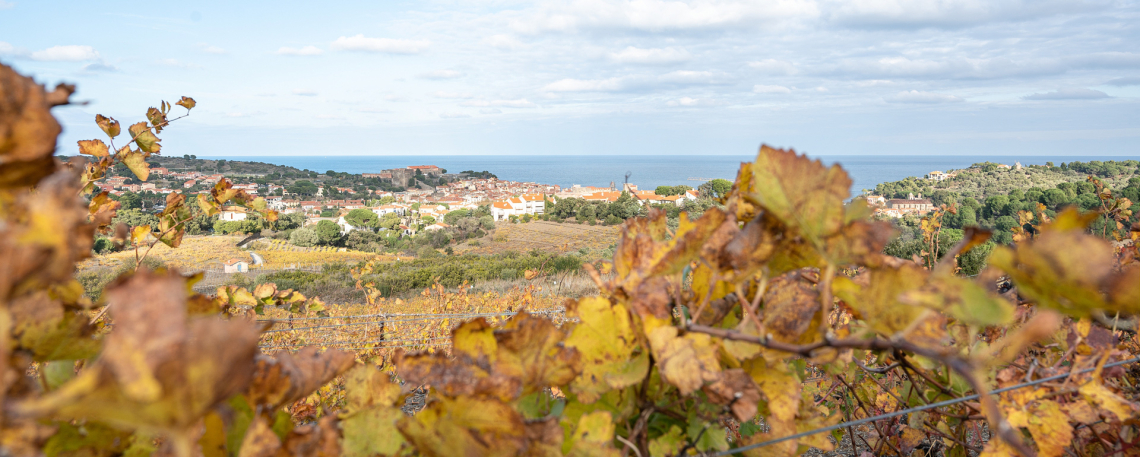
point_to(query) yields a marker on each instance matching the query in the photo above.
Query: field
(544, 236)
(196, 253)
(278, 253)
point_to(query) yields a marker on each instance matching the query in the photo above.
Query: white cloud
(503, 42)
(375, 110)
(305, 51)
(305, 92)
(100, 66)
(520, 103)
(651, 56)
(915, 96)
(69, 53)
(454, 115)
(396, 98)
(445, 94)
(440, 74)
(689, 77)
(1121, 82)
(947, 13)
(684, 101)
(661, 15)
(774, 67)
(490, 111)
(1068, 94)
(586, 85)
(767, 89)
(385, 45)
(6, 49)
(5, 5)
(330, 116)
(212, 49)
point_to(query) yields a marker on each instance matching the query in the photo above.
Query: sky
(596, 77)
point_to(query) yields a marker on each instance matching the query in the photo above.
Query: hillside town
(413, 194)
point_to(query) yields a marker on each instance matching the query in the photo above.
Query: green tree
(289, 221)
(328, 232)
(130, 200)
(362, 218)
(302, 187)
(134, 217)
(587, 213)
(390, 221)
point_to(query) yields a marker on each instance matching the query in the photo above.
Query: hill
(987, 179)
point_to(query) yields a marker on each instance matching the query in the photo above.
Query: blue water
(648, 172)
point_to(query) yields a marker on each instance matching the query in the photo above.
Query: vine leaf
(593, 436)
(146, 140)
(135, 160)
(606, 341)
(687, 361)
(109, 125)
(95, 148)
(1063, 268)
(369, 419)
(160, 369)
(874, 296)
(286, 378)
(800, 192)
(465, 425)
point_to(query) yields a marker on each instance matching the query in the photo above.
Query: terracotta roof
(502, 205)
(235, 262)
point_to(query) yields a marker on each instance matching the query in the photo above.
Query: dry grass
(545, 236)
(195, 254)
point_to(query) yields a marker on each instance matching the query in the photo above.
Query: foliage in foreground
(701, 340)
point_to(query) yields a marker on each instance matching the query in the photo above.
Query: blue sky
(647, 77)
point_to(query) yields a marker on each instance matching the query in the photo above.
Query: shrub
(508, 274)
(304, 237)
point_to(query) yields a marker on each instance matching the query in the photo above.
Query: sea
(648, 172)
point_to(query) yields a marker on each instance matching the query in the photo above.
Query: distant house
(937, 175)
(903, 206)
(232, 213)
(501, 211)
(436, 226)
(236, 266)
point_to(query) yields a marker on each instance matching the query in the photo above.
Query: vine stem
(960, 365)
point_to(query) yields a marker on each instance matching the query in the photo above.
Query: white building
(236, 266)
(232, 213)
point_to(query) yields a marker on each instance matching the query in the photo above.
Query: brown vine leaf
(108, 124)
(187, 103)
(533, 347)
(791, 308)
(465, 426)
(159, 370)
(28, 131)
(801, 192)
(605, 340)
(286, 378)
(736, 389)
(321, 439)
(259, 441)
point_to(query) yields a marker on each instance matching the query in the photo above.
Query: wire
(334, 343)
(911, 410)
(362, 316)
(435, 317)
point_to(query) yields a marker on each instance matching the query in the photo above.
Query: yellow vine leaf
(606, 341)
(465, 426)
